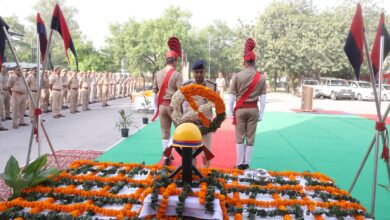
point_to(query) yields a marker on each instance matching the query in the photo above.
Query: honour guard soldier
(166, 82)
(246, 88)
(94, 86)
(56, 85)
(2, 102)
(19, 97)
(198, 74)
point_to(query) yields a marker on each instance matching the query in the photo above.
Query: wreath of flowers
(197, 113)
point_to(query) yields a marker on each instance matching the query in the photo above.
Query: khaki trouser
(73, 97)
(56, 102)
(93, 93)
(30, 105)
(64, 96)
(246, 125)
(18, 108)
(84, 99)
(6, 112)
(165, 121)
(125, 90)
(104, 95)
(45, 96)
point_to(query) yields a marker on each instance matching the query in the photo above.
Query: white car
(336, 88)
(385, 92)
(311, 83)
(362, 90)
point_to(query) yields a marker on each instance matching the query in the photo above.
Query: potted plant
(146, 107)
(125, 121)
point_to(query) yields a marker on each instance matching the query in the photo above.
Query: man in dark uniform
(166, 82)
(198, 75)
(246, 88)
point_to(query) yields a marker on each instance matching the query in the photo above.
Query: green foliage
(125, 120)
(146, 105)
(32, 175)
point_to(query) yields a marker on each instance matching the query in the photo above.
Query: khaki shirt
(105, 81)
(174, 83)
(45, 84)
(32, 83)
(16, 84)
(241, 81)
(84, 82)
(73, 83)
(64, 82)
(56, 81)
(200, 100)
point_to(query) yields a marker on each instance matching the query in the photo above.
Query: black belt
(250, 103)
(57, 90)
(75, 89)
(34, 91)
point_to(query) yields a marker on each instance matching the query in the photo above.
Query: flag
(58, 23)
(2, 39)
(354, 43)
(41, 30)
(375, 53)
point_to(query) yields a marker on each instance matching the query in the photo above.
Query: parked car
(336, 88)
(362, 90)
(385, 91)
(311, 83)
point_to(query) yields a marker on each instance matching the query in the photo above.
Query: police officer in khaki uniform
(65, 91)
(19, 97)
(247, 114)
(56, 85)
(198, 75)
(5, 113)
(94, 86)
(2, 103)
(172, 84)
(45, 94)
(84, 91)
(32, 82)
(105, 82)
(99, 84)
(73, 86)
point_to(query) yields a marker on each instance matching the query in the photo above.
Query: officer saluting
(166, 82)
(198, 75)
(246, 88)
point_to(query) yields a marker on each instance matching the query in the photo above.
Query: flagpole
(39, 84)
(40, 122)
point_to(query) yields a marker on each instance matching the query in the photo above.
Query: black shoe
(3, 129)
(167, 161)
(8, 118)
(25, 115)
(245, 166)
(240, 167)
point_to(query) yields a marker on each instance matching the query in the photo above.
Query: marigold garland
(228, 181)
(186, 93)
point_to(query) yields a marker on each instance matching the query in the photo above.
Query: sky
(95, 16)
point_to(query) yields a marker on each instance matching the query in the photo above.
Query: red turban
(175, 48)
(248, 50)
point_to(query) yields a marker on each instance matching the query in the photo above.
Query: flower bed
(99, 190)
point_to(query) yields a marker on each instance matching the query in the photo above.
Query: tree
(22, 42)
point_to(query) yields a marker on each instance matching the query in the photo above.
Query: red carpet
(223, 148)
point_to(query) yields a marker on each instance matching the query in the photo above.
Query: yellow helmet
(187, 135)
